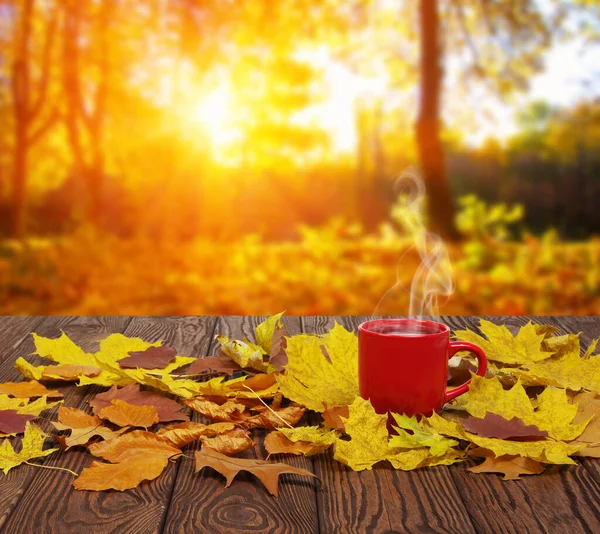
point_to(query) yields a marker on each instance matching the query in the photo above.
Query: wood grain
(560, 499)
(201, 503)
(140, 510)
(384, 500)
(84, 331)
(13, 331)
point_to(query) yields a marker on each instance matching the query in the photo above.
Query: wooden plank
(560, 499)
(13, 331)
(140, 510)
(384, 499)
(201, 503)
(83, 330)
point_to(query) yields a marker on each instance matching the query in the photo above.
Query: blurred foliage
(334, 269)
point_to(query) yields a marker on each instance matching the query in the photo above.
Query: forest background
(170, 157)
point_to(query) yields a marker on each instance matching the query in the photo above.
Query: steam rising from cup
(432, 280)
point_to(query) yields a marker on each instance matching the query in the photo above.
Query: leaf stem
(268, 407)
(56, 468)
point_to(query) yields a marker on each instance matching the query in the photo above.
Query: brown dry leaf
(495, 426)
(167, 409)
(267, 472)
(588, 405)
(26, 390)
(272, 420)
(124, 414)
(132, 444)
(332, 416)
(229, 443)
(69, 418)
(278, 357)
(151, 358)
(215, 363)
(69, 371)
(510, 466)
(182, 434)
(13, 422)
(228, 411)
(278, 443)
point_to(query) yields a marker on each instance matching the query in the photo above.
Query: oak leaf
(123, 414)
(229, 443)
(182, 434)
(512, 467)
(32, 447)
(267, 472)
(553, 413)
(13, 422)
(167, 409)
(151, 358)
(27, 390)
(311, 379)
(500, 345)
(496, 426)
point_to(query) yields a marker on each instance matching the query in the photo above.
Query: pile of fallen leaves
(537, 406)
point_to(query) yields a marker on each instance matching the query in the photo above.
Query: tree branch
(468, 38)
(43, 128)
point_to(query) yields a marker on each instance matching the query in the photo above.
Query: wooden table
(439, 499)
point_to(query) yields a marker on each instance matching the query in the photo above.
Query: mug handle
(456, 346)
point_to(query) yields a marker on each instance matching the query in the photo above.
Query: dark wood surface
(440, 499)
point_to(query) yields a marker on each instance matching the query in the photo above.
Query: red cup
(403, 365)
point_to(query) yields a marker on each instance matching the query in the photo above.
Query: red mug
(403, 365)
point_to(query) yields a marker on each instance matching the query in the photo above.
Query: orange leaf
(229, 411)
(124, 414)
(69, 371)
(82, 436)
(121, 476)
(332, 416)
(278, 443)
(510, 466)
(26, 390)
(267, 472)
(184, 433)
(272, 420)
(74, 418)
(256, 383)
(133, 444)
(230, 443)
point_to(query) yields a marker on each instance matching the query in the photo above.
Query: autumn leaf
(278, 355)
(545, 451)
(229, 443)
(184, 433)
(267, 472)
(495, 426)
(512, 467)
(82, 426)
(222, 365)
(307, 440)
(546, 330)
(229, 411)
(32, 447)
(23, 406)
(27, 390)
(266, 330)
(553, 413)
(332, 416)
(244, 353)
(588, 405)
(122, 413)
(69, 418)
(273, 419)
(13, 422)
(500, 345)
(151, 358)
(420, 436)
(134, 457)
(167, 409)
(369, 443)
(67, 372)
(311, 379)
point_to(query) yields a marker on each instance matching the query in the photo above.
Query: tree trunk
(440, 207)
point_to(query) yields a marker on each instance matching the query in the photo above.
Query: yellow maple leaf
(422, 436)
(570, 371)
(251, 355)
(500, 345)
(311, 379)
(312, 434)
(545, 451)
(552, 412)
(32, 447)
(24, 406)
(369, 443)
